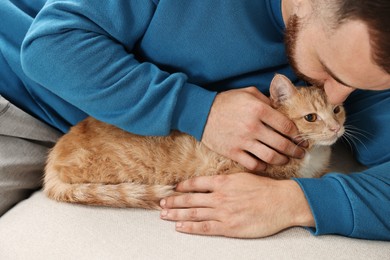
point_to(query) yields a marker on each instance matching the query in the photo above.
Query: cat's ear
(281, 89)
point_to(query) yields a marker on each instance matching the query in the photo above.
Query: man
(153, 66)
(342, 53)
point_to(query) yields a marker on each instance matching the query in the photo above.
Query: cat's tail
(129, 195)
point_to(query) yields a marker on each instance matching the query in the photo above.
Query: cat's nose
(335, 128)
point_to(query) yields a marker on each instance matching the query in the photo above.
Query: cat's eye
(337, 110)
(311, 117)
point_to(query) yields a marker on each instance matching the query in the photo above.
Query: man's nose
(337, 93)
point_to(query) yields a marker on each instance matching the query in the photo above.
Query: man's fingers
(249, 161)
(196, 184)
(255, 92)
(267, 154)
(188, 200)
(279, 122)
(279, 144)
(201, 228)
(188, 214)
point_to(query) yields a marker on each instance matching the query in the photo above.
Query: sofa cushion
(39, 228)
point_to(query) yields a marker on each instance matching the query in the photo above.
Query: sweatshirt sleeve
(355, 205)
(82, 51)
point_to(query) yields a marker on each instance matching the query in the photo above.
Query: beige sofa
(39, 228)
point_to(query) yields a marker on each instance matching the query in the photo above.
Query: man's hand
(239, 205)
(245, 128)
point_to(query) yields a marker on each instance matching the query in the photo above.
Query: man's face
(339, 59)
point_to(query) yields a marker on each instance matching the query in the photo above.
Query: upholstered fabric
(39, 228)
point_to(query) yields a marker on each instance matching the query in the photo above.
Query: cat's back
(99, 138)
(93, 149)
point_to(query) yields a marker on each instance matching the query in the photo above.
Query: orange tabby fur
(99, 164)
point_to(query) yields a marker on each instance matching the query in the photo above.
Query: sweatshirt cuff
(192, 110)
(329, 204)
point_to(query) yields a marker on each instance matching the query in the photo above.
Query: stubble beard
(291, 35)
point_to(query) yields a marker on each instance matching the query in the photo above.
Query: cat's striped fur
(99, 164)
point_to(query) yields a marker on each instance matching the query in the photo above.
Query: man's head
(376, 15)
(341, 44)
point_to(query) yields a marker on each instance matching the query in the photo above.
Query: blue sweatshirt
(152, 66)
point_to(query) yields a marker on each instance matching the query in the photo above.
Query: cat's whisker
(345, 139)
(348, 135)
(354, 132)
(358, 130)
(349, 141)
(315, 135)
(298, 144)
(357, 141)
(301, 137)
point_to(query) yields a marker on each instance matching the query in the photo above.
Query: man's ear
(281, 89)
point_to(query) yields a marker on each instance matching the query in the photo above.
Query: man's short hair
(376, 14)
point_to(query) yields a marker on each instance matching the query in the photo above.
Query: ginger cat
(99, 164)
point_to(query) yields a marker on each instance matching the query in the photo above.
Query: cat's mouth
(331, 139)
(327, 142)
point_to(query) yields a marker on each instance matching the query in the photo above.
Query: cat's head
(318, 121)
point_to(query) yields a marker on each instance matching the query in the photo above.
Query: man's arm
(245, 205)
(82, 52)
(355, 205)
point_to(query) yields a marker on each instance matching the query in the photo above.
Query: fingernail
(164, 213)
(286, 161)
(261, 167)
(301, 142)
(304, 144)
(300, 152)
(163, 202)
(179, 224)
